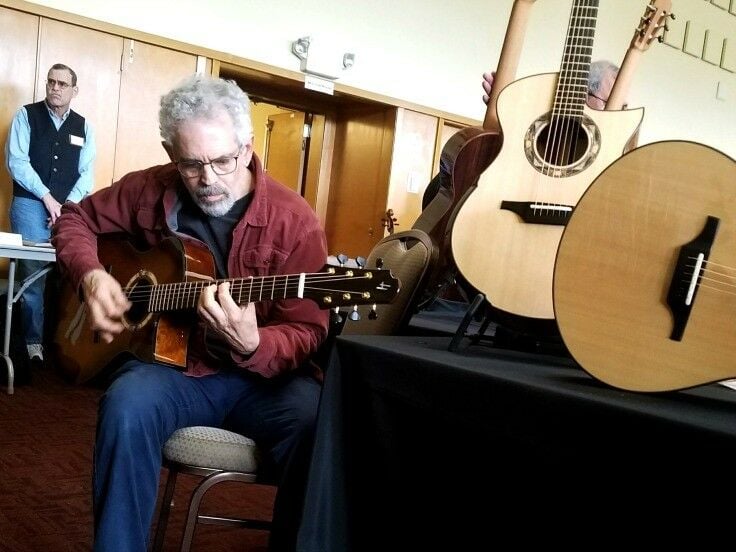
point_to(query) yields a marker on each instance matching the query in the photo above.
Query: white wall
(432, 52)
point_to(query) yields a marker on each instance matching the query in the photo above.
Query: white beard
(215, 209)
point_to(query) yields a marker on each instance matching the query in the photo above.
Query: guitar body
(508, 254)
(79, 352)
(618, 259)
(464, 157)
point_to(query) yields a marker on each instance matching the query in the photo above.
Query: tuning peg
(360, 261)
(354, 314)
(342, 259)
(336, 317)
(373, 314)
(379, 262)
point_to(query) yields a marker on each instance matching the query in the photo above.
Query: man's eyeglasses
(625, 106)
(52, 83)
(597, 97)
(190, 168)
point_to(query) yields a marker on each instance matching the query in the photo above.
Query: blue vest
(53, 156)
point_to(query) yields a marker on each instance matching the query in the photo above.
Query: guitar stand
(479, 301)
(502, 337)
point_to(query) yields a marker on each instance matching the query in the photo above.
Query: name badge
(76, 140)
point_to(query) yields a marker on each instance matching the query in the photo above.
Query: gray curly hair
(598, 71)
(202, 96)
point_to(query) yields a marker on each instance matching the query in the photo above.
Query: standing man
(50, 154)
(214, 193)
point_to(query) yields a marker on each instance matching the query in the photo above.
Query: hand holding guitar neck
(508, 62)
(653, 23)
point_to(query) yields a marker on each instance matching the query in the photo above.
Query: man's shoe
(35, 350)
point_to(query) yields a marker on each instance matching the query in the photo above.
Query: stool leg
(163, 516)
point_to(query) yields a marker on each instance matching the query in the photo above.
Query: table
(420, 448)
(13, 253)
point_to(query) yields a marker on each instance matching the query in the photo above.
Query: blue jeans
(28, 217)
(146, 403)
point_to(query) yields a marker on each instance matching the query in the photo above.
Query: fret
(572, 85)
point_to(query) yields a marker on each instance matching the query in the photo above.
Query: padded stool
(215, 454)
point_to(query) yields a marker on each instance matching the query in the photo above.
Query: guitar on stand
(465, 156)
(505, 234)
(645, 275)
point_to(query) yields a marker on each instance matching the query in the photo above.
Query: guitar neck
(620, 90)
(508, 63)
(652, 24)
(184, 295)
(572, 87)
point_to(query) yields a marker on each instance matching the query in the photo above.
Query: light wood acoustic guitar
(645, 275)
(505, 234)
(467, 154)
(164, 283)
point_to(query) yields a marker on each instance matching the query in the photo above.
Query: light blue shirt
(19, 162)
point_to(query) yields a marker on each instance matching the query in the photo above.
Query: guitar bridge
(539, 213)
(686, 277)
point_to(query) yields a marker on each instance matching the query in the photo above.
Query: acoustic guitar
(505, 234)
(645, 275)
(467, 154)
(164, 283)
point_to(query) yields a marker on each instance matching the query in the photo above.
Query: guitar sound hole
(562, 142)
(139, 292)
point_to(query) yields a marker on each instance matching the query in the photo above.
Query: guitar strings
(276, 281)
(579, 82)
(272, 285)
(717, 278)
(561, 128)
(563, 134)
(556, 130)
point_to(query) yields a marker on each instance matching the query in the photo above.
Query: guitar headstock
(653, 23)
(340, 286)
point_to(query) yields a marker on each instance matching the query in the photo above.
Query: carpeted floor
(46, 436)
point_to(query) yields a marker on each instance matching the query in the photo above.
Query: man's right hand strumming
(106, 303)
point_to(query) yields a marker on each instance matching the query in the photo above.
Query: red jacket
(279, 234)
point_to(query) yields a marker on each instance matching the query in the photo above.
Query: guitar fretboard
(184, 295)
(572, 88)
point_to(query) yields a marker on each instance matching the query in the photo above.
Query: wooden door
(18, 43)
(313, 159)
(95, 58)
(284, 156)
(148, 72)
(360, 174)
